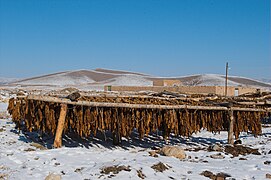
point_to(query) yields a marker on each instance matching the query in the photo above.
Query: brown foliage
(85, 120)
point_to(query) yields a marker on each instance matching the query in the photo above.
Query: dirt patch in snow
(218, 176)
(3, 176)
(4, 115)
(159, 167)
(114, 169)
(38, 146)
(29, 149)
(237, 150)
(140, 174)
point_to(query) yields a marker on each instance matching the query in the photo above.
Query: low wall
(181, 89)
(166, 82)
(247, 90)
(219, 90)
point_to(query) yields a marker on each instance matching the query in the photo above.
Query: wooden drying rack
(64, 102)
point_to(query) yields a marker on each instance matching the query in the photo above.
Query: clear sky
(159, 37)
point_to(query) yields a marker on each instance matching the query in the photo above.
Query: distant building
(219, 90)
(166, 82)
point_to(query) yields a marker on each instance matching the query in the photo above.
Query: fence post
(230, 131)
(60, 126)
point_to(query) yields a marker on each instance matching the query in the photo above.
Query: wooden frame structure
(52, 114)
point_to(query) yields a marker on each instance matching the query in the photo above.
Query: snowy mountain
(4, 80)
(100, 77)
(266, 80)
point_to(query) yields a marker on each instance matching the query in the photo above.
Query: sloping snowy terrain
(57, 80)
(7, 80)
(100, 77)
(266, 80)
(212, 80)
(129, 80)
(219, 80)
(20, 158)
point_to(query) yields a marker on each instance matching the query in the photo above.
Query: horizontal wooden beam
(252, 103)
(142, 106)
(252, 98)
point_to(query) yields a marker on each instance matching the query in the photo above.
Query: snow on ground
(4, 80)
(130, 80)
(87, 87)
(215, 80)
(3, 106)
(58, 80)
(4, 95)
(20, 159)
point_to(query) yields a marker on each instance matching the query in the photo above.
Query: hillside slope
(103, 77)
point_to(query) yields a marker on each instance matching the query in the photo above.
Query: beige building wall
(180, 89)
(234, 91)
(158, 82)
(197, 89)
(166, 82)
(219, 90)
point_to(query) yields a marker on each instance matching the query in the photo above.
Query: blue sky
(159, 37)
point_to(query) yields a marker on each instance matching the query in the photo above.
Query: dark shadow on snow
(153, 140)
(104, 139)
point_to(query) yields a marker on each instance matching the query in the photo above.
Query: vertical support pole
(230, 132)
(60, 126)
(226, 80)
(116, 133)
(116, 138)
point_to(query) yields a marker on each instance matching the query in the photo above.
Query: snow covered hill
(219, 80)
(4, 80)
(100, 77)
(266, 80)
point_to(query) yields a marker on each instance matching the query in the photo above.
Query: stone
(3, 176)
(217, 156)
(238, 141)
(215, 147)
(267, 162)
(159, 167)
(208, 174)
(268, 176)
(218, 176)
(222, 176)
(38, 146)
(52, 176)
(237, 150)
(140, 174)
(174, 151)
(74, 96)
(114, 169)
(153, 154)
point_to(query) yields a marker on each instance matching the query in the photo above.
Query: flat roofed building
(167, 82)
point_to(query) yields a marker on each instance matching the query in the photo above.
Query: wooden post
(226, 80)
(116, 133)
(230, 132)
(116, 138)
(60, 126)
